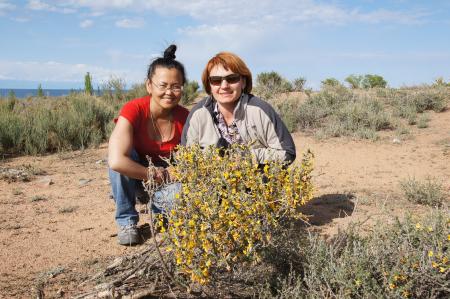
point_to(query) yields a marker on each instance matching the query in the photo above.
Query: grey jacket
(257, 122)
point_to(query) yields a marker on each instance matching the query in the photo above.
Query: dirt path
(61, 224)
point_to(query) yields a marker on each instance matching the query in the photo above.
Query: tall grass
(37, 126)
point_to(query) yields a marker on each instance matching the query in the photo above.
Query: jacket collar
(239, 110)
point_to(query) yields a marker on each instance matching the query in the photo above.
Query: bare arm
(119, 151)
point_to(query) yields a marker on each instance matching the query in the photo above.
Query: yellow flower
(441, 269)
(418, 226)
(430, 253)
(392, 286)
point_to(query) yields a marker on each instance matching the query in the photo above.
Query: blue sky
(56, 42)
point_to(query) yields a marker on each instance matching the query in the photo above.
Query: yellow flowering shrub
(228, 207)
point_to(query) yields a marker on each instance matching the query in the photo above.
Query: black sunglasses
(231, 79)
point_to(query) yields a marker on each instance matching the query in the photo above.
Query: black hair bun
(169, 53)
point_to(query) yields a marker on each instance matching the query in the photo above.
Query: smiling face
(164, 86)
(226, 94)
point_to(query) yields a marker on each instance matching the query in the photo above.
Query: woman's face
(225, 92)
(166, 87)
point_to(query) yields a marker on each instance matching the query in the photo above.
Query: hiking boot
(129, 235)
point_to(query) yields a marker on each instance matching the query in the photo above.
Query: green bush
(373, 81)
(270, 84)
(366, 81)
(355, 81)
(330, 82)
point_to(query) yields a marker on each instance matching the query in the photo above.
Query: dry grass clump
(430, 192)
(24, 173)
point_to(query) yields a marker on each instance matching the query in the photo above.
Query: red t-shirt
(137, 112)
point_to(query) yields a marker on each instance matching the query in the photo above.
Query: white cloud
(44, 6)
(52, 71)
(232, 11)
(130, 23)
(6, 6)
(86, 23)
(21, 19)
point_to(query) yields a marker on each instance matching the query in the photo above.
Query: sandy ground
(60, 225)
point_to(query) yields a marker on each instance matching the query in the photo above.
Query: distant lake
(24, 93)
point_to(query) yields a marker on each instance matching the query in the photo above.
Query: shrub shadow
(323, 209)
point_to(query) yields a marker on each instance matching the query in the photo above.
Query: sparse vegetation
(405, 259)
(271, 84)
(80, 120)
(36, 198)
(68, 209)
(23, 173)
(429, 192)
(190, 92)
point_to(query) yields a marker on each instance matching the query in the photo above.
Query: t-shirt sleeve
(131, 112)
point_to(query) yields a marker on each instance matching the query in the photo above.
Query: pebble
(83, 182)
(396, 140)
(46, 181)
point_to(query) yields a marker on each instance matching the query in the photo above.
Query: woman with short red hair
(231, 114)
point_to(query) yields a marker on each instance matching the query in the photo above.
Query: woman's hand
(160, 175)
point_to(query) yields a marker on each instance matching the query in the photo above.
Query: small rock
(84, 182)
(101, 161)
(396, 140)
(46, 181)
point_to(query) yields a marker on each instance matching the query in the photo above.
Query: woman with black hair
(149, 126)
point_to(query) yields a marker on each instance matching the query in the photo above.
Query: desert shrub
(373, 81)
(405, 259)
(355, 81)
(298, 84)
(441, 82)
(409, 101)
(137, 90)
(330, 82)
(338, 111)
(190, 92)
(287, 109)
(229, 207)
(113, 92)
(429, 192)
(366, 81)
(422, 122)
(46, 125)
(270, 84)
